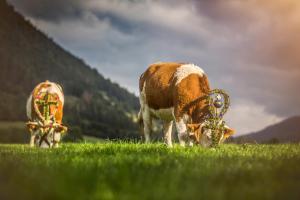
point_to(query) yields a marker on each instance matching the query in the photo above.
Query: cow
(175, 92)
(44, 109)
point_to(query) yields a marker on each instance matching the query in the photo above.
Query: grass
(138, 171)
(92, 139)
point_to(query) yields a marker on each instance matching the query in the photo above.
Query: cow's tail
(140, 118)
(29, 107)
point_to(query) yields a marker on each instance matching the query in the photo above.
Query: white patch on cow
(186, 118)
(182, 131)
(45, 145)
(32, 138)
(185, 70)
(205, 140)
(57, 137)
(59, 86)
(28, 107)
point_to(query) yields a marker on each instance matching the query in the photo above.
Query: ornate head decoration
(218, 104)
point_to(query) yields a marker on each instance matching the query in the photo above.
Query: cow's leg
(55, 145)
(182, 132)
(147, 131)
(168, 133)
(181, 128)
(56, 139)
(147, 120)
(191, 143)
(32, 139)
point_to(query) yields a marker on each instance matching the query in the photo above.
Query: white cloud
(182, 19)
(246, 117)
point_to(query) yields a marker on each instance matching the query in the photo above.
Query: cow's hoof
(169, 145)
(191, 144)
(55, 145)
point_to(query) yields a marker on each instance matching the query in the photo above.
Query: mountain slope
(94, 105)
(285, 131)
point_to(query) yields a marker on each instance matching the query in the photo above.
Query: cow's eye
(192, 137)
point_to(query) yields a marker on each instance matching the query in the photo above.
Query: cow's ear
(190, 127)
(31, 127)
(61, 129)
(193, 127)
(59, 86)
(228, 132)
(196, 126)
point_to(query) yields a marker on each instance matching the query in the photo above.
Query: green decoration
(42, 106)
(218, 104)
(45, 102)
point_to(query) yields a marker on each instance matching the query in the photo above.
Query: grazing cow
(45, 112)
(176, 92)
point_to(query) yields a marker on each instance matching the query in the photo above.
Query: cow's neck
(199, 112)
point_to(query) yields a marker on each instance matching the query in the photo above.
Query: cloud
(249, 48)
(49, 10)
(249, 112)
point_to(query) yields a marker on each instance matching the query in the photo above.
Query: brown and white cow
(175, 92)
(45, 132)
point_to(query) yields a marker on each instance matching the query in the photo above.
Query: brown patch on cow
(158, 88)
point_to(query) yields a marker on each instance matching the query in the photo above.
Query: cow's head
(46, 134)
(208, 136)
(212, 130)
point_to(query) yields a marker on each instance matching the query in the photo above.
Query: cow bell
(218, 102)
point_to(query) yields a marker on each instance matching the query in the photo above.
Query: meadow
(125, 170)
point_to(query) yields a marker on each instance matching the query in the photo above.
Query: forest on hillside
(94, 105)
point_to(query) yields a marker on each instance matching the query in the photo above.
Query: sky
(250, 48)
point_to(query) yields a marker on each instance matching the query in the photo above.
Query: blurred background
(97, 49)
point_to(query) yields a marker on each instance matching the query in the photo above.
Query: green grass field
(138, 171)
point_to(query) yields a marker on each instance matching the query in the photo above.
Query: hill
(282, 132)
(94, 105)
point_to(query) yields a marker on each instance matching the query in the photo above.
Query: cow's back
(51, 87)
(174, 85)
(156, 84)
